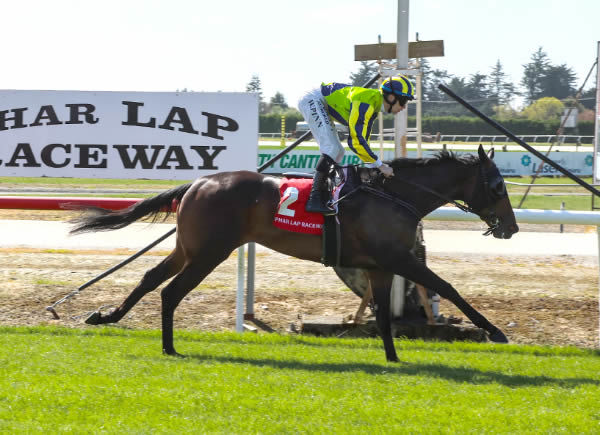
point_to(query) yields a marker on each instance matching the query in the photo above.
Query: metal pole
(239, 300)
(519, 141)
(401, 118)
(380, 120)
(419, 111)
(400, 124)
(249, 315)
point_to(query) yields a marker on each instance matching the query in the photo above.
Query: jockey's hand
(386, 170)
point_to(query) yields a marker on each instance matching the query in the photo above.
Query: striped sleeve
(360, 122)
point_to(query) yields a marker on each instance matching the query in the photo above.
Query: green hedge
(271, 123)
(471, 125)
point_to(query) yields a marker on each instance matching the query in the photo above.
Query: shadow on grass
(455, 374)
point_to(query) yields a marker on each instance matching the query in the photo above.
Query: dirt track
(541, 300)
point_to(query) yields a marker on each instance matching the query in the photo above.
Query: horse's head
(487, 196)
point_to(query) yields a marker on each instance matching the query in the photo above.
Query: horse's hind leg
(152, 279)
(190, 276)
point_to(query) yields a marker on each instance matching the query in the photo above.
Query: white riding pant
(314, 109)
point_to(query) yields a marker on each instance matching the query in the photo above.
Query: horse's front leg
(381, 283)
(407, 265)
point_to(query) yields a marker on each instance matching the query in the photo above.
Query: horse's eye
(498, 188)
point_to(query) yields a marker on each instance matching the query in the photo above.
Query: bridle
(493, 191)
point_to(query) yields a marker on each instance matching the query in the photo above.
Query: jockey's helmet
(397, 89)
(398, 85)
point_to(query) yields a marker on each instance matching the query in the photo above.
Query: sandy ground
(534, 299)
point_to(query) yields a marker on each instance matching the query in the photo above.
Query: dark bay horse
(218, 213)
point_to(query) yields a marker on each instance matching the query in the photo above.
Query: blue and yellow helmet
(399, 85)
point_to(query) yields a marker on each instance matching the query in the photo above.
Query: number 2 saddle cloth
(291, 215)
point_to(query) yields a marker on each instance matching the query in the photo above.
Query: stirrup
(316, 204)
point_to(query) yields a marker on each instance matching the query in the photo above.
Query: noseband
(493, 191)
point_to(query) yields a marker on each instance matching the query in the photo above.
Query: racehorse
(218, 213)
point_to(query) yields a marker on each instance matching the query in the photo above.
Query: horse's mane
(438, 158)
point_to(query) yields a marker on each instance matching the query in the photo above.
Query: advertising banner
(158, 135)
(510, 164)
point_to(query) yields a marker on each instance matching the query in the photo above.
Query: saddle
(344, 181)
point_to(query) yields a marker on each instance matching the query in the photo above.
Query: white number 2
(290, 196)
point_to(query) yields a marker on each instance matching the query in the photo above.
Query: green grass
(110, 380)
(553, 202)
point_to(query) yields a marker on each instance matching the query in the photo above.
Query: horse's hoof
(94, 318)
(393, 358)
(173, 352)
(498, 337)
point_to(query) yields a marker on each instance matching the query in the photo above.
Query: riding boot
(319, 195)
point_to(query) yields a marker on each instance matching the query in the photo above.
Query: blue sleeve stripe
(330, 88)
(351, 135)
(360, 122)
(370, 125)
(358, 129)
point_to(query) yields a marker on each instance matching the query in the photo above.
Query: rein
(367, 187)
(381, 194)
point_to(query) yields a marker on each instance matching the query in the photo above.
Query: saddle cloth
(291, 215)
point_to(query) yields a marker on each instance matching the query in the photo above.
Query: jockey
(356, 108)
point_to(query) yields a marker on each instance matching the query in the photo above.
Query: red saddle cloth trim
(291, 215)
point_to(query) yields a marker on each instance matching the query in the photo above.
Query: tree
(503, 112)
(430, 81)
(544, 109)
(558, 81)
(588, 99)
(500, 89)
(365, 73)
(277, 102)
(254, 86)
(434, 100)
(533, 75)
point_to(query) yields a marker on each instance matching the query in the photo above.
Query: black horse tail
(101, 219)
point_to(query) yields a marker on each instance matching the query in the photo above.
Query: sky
(292, 46)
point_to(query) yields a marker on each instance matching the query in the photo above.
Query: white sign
(126, 134)
(569, 117)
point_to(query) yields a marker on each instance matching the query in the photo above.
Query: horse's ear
(482, 155)
(490, 154)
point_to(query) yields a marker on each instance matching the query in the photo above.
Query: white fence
(536, 138)
(524, 216)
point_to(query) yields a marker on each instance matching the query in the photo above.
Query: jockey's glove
(386, 170)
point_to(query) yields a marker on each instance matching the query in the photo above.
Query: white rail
(524, 216)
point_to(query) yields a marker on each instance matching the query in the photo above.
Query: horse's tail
(101, 219)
